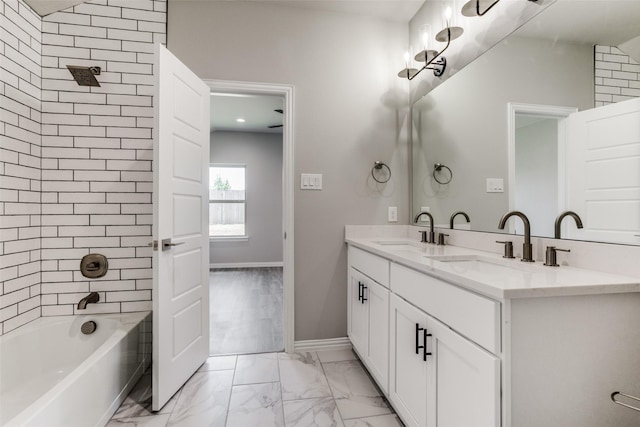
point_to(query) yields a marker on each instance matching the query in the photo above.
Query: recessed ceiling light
(239, 120)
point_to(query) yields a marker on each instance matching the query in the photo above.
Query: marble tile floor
(328, 388)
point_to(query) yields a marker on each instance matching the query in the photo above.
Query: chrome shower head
(85, 76)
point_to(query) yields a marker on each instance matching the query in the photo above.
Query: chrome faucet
(432, 234)
(93, 297)
(561, 217)
(453, 215)
(527, 248)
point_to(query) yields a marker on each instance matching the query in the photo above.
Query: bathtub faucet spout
(93, 297)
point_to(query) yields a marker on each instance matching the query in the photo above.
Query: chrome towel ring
(617, 402)
(381, 172)
(437, 169)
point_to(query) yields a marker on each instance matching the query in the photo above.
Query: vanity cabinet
(368, 312)
(437, 377)
(523, 346)
(428, 344)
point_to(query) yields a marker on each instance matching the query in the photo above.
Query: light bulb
(425, 40)
(447, 15)
(406, 59)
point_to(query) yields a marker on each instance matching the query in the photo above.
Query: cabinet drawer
(474, 316)
(370, 265)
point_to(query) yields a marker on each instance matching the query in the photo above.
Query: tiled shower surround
(20, 141)
(617, 76)
(93, 153)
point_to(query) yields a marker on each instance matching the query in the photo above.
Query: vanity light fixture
(451, 32)
(432, 58)
(479, 7)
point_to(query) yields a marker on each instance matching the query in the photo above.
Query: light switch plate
(495, 185)
(393, 214)
(311, 181)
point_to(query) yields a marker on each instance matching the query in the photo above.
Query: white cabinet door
(359, 321)
(465, 380)
(407, 369)
(378, 357)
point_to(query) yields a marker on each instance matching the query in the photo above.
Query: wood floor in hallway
(246, 310)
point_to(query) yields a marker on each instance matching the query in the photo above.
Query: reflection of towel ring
(377, 166)
(438, 168)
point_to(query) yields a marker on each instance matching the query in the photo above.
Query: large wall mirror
(547, 120)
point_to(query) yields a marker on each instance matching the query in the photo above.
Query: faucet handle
(550, 256)
(423, 239)
(508, 248)
(441, 237)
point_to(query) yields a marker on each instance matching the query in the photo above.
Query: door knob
(166, 244)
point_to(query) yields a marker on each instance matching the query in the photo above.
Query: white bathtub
(53, 375)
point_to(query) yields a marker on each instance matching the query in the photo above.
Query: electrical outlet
(393, 214)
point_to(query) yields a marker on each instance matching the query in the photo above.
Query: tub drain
(88, 327)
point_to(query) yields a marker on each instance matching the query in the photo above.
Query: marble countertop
(493, 276)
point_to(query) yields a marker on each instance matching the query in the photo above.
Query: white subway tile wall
(97, 151)
(617, 76)
(75, 162)
(20, 175)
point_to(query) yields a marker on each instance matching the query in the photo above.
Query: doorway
(251, 217)
(536, 148)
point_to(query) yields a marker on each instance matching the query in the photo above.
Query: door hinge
(285, 235)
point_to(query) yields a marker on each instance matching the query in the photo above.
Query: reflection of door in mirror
(536, 146)
(603, 172)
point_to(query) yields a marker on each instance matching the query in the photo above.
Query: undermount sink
(453, 258)
(388, 244)
(476, 263)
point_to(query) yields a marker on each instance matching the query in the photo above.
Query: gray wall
(350, 108)
(463, 122)
(262, 154)
(536, 186)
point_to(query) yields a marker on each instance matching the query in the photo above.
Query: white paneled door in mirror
(181, 228)
(603, 172)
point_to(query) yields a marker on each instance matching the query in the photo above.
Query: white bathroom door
(603, 172)
(181, 226)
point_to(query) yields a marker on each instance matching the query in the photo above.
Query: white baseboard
(246, 264)
(320, 345)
